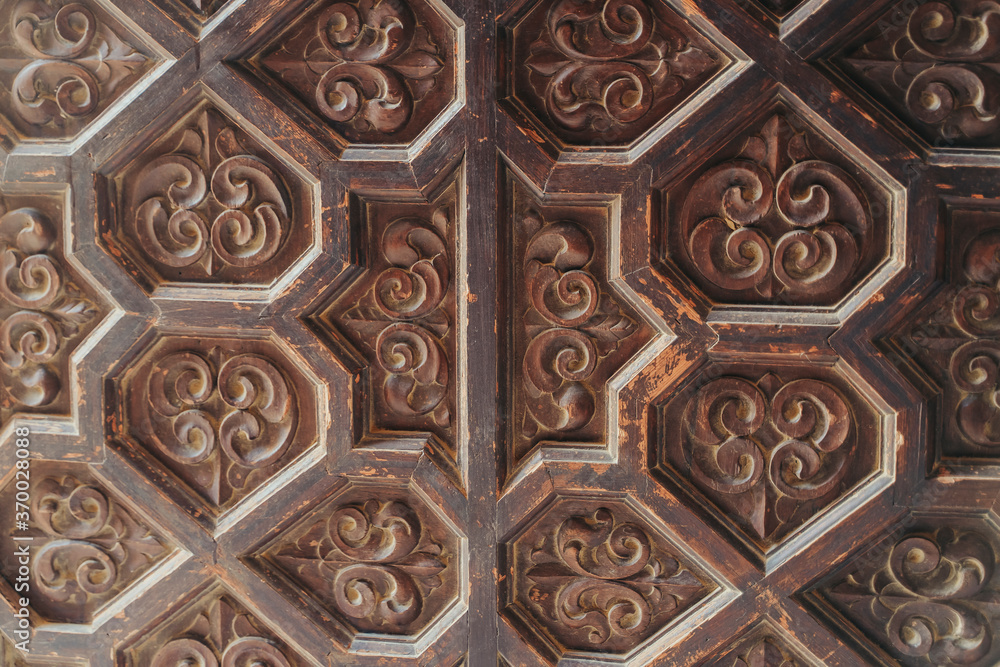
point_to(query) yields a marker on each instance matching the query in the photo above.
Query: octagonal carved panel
(780, 215)
(374, 71)
(76, 547)
(46, 307)
(768, 446)
(64, 64)
(379, 558)
(206, 203)
(603, 74)
(213, 629)
(593, 577)
(936, 66)
(216, 417)
(927, 594)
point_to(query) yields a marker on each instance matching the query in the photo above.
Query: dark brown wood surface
(519, 332)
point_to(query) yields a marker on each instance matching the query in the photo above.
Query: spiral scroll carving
(71, 61)
(776, 224)
(43, 314)
(599, 580)
(929, 598)
(609, 70)
(938, 68)
(571, 325)
(380, 563)
(86, 548)
(369, 67)
(205, 204)
(215, 631)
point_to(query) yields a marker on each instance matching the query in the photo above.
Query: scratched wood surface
(518, 332)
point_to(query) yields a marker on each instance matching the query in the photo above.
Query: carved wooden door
(440, 332)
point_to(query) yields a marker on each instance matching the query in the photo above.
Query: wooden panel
(518, 332)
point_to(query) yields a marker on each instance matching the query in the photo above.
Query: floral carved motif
(375, 70)
(85, 547)
(64, 63)
(378, 559)
(206, 203)
(572, 334)
(596, 578)
(769, 452)
(223, 415)
(931, 597)
(608, 70)
(937, 65)
(786, 219)
(956, 337)
(214, 631)
(401, 316)
(44, 314)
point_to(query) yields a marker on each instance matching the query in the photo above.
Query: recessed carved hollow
(207, 203)
(192, 14)
(375, 71)
(769, 446)
(46, 309)
(221, 416)
(765, 644)
(375, 556)
(401, 315)
(926, 594)
(86, 548)
(571, 332)
(936, 65)
(780, 215)
(593, 576)
(956, 337)
(215, 629)
(602, 74)
(64, 64)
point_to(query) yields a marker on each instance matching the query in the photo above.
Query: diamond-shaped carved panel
(770, 446)
(86, 547)
(603, 74)
(220, 416)
(46, 307)
(593, 577)
(379, 557)
(927, 594)
(206, 203)
(401, 315)
(765, 645)
(214, 629)
(780, 215)
(935, 65)
(195, 15)
(571, 331)
(375, 71)
(62, 64)
(955, 337)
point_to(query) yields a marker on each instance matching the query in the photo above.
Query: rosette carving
(597, 579)
(214, 631)
(929, 598)
(400, 317)
(376, 70)
(206, 204)
(573, 329)
(775, 223)
(608, 70)
(223, 415)
(70, 60)
(86, 548)
(43, 313)
(770, 453)
(379, 561)
(937, 64)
